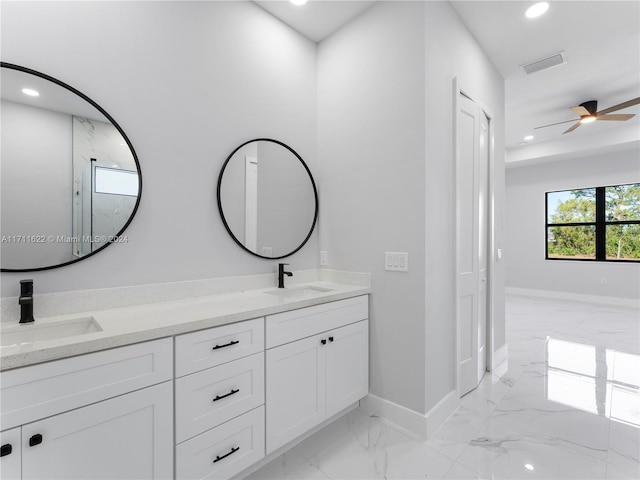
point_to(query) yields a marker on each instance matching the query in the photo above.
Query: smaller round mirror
(267, 198)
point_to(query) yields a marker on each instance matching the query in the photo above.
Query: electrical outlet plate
(396, 261)
(324, 258)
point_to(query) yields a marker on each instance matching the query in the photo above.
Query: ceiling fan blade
(620, 106)
(552, 124)
(620, 117)
(572, 128)
(580, 111)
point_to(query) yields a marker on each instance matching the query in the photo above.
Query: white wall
(385, 147)
(35, 142)
(371, 151)
(188, 82)
(526, 236)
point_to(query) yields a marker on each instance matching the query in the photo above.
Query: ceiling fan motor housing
(591, 106)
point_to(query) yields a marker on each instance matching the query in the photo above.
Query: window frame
(600, 225)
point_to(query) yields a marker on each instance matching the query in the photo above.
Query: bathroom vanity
(192, 388)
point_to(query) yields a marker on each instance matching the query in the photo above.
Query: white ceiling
(318, 18)
(601, 41)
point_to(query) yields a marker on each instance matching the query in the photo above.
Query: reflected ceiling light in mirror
(298, 2)
(31, 92)
(537, 9)
(528, 138)
(528, 466)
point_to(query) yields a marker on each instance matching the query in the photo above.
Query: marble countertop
(138, 323)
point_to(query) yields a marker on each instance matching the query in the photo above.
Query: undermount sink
(37, 332)
(301, 291)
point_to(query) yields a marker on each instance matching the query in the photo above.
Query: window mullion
(601, 229)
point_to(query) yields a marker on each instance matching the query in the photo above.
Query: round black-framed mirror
(267, 198)
(89, 182)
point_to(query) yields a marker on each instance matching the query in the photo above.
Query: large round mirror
(71, 180)
(267, 198)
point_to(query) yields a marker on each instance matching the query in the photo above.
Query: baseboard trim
(577, 297)
(442, 411)
(419, 425)
(499, 356)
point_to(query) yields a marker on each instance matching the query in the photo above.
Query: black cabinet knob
(331, 339)
(323, 341)
(35, 440)
(6, 449)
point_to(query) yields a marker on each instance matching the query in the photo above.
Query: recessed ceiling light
(528, 466)
(528, 137)
(537, 9)
(298, 2)
(30, 92)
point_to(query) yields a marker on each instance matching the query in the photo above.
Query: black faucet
(282, 273)
(26, 301)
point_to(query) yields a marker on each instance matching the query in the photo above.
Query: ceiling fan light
(537, 9)
(588, 119)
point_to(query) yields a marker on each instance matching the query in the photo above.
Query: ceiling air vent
(544, 63)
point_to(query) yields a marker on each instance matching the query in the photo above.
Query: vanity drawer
(287, 327)
(225, 450)
(38, 391)
(215, 346)
(208, 398)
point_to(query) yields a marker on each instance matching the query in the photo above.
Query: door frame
(462, 88)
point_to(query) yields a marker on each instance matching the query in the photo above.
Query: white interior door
(472, 161)
(251, 203)
(483, 242)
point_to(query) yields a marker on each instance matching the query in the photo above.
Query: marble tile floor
(566, 405)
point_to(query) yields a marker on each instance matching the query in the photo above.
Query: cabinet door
(130, 436)
(347, 366)
(10, 466)
(295, 389)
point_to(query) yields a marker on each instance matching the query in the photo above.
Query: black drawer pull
(233, 342)
(5, 450)
(233, 450)
(35, 440)
(220, 397)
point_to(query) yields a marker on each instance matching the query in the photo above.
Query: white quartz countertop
(132, 324)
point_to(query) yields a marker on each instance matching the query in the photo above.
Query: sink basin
(38, 332)
(301, 291)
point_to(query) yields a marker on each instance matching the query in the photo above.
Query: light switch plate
(324, 258)
(396, 261)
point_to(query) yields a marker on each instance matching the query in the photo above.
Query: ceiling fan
(588, 112)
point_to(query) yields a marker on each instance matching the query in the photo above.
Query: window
(600, 223)
(116, 181)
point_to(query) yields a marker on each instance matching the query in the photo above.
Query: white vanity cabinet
(317, 371)
(219, 400)
(102, 415)
(11, 454)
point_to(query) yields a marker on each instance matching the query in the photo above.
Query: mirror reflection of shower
(105, 182)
